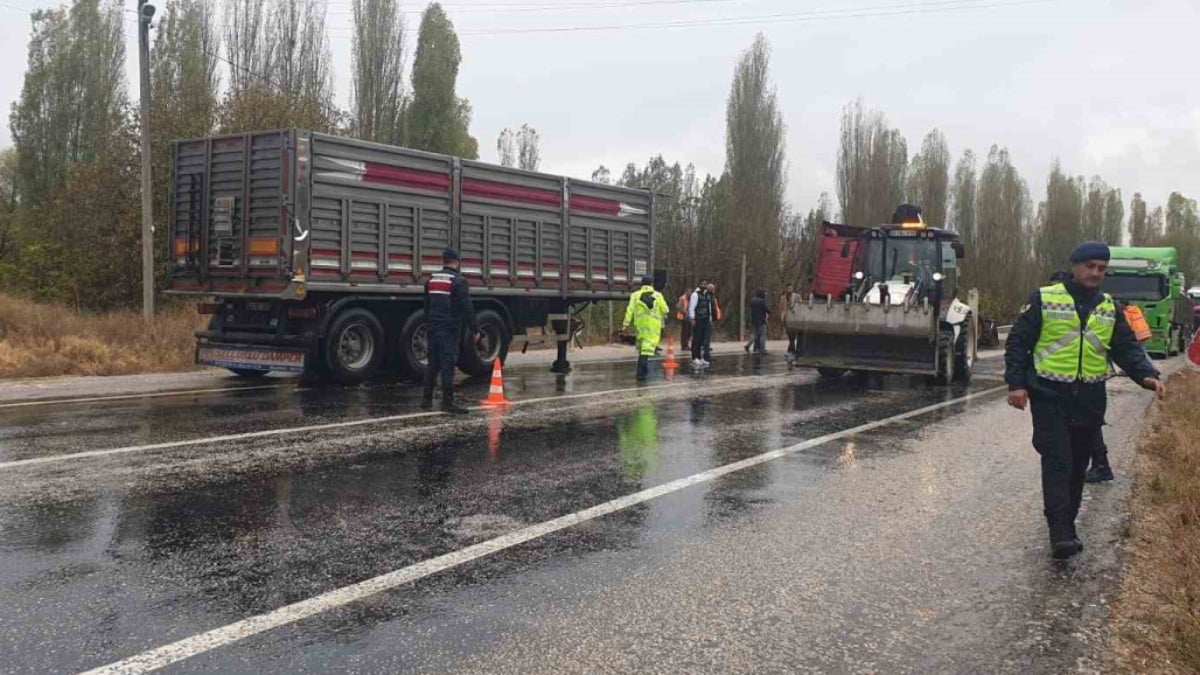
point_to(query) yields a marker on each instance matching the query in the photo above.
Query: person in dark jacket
(759, 313)
(1056, 361)
(702, 312)
(448, 310)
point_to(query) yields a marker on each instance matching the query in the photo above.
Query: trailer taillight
(302, 313)
(182, 247)
(264, 246)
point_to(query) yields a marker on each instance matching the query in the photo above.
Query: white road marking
(240, 630)
(149, 394)
(268, 433)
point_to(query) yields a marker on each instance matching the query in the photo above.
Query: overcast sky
(1109, 86)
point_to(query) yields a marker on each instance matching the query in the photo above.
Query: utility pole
(145, 13)
(742, 308)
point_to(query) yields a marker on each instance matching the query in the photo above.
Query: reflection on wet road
(101, 560)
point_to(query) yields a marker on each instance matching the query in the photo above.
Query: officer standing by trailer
(1056, 361)
(646, 311)
(447, 310)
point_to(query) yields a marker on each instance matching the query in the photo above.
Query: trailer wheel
(353, 349)
(414, 352)
(830, 373)
(477, 359)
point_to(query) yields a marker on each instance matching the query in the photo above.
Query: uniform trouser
(793, 340)
(1065, 451)
(442, 349)
(701, 335)
(760, 338)
(647, 344)
(1100, 451)
(685, 335)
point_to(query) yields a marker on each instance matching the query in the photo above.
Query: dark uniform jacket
(759, 310)
(448, 302)
(1083, 404)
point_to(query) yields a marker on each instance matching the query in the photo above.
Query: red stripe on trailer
(363, 255)
(607, 207)
(373, 172)
(326, 251)
(510, 193)
(399, 256)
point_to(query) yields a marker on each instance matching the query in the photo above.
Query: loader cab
(914, 261)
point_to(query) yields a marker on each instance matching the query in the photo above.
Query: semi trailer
(310, 251)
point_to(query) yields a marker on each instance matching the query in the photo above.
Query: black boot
(450, 407)
(643, 368)
(427, 399)
(1099, 474)
(1063, 542)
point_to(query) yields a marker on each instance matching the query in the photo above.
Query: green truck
(1149, 277)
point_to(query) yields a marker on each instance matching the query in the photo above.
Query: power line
(787, 17)
(532, 7)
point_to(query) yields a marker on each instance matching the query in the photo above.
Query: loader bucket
(857, 336)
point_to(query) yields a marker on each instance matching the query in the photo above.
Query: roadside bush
(41, 339)
(1158, 615)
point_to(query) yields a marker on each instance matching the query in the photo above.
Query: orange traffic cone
(670, 363)
(495, 426)
(495, 395)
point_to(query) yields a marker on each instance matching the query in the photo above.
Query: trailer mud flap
(242, 357)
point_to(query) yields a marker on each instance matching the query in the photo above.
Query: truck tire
(413, 351)
(477, 359)
(353, 349)
(830, 373)
(962, 354)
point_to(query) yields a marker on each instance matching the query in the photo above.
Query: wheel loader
(897, 309)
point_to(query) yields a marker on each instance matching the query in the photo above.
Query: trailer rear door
(230, 212)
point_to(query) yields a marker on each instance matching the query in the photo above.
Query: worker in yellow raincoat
(647, 310)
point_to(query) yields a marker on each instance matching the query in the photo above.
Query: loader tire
(830, 373)
(962, 355)
(945, 359)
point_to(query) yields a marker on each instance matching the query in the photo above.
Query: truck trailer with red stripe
(311, 251)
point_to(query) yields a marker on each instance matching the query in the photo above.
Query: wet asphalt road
(914, 547)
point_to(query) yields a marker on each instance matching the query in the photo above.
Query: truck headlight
(859, 276)
(938, 276)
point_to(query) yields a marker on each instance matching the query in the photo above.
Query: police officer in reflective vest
(447, 310)
(646, 311)
(1056, 361)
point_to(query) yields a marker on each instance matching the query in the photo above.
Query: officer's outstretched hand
(1155, 385)
(1018, 398)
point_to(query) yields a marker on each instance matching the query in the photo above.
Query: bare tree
(1003, 210)
(520, 148)
(871, 166)
(1139, 234)
(962, 199)
(378, 85)
(756, 163)
(602, 175)
(1114, 218)
(246, 43)
(1061, 219)
(300, 60)
(929, 178)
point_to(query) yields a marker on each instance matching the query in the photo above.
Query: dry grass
(38, 340)
(1158, 614)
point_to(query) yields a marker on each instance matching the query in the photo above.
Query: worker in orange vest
(681, 315)
(1137, 322)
